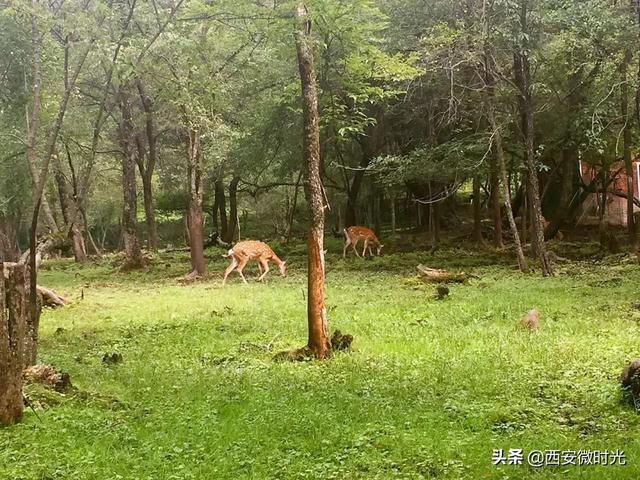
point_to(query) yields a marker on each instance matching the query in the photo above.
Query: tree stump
(13, 326)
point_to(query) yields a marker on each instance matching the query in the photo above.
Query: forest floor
(429, 390)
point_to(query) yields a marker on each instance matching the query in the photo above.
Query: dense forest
(423, 106)
(149, 144)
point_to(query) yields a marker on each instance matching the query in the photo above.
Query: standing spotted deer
(354, 234)
(247, 250)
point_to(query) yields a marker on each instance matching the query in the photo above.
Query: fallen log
(49, 297)
(435, 275)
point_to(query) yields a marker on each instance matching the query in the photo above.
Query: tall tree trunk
(195, 216)
(293, 207)
(377, 221)
(130, 206)
(392, 202)
(52, 137)
(351, 217)
(318, 342)
(498, 151)
(626, 140)
(147, 170)
(33, 119)
(12, 341)
(477, 214)
(494, 201)
(522, 70)
(149, 209)
(602, 211)
(233, 209)
(222, 207)
(67, 204)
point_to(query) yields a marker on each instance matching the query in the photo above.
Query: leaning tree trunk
(130, 208)
(12, 341)
(195, 216)
(498, 151)
(318, 342)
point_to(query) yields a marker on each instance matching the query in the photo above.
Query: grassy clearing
(429, 390)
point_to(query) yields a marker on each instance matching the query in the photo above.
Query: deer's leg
(241, 265)
(364, 250)
(265, 264)
(346, 245)
(230, 268)
(354, 245)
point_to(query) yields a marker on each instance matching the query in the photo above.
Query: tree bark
(318, 341)
(67, 204)
(220, 201)
(498, 151)
(147, 169)
(12, 342)
(477, 214)
(233, 209)
(293, 208)
(130, 206)
(392, 202)
(626, 140)
(195, 215)
(522, 71)
(494, 201)
(33, 119)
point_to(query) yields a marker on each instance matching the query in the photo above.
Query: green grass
(429, 390)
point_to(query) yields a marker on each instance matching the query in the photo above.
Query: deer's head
(283, 269)
(380, 248)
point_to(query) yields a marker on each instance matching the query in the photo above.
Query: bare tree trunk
(130, 206)
(602, 217)
(195, 215)
(33, 122)
(52, 137)
(147, 170)
(318, 342)
(233, 209)
(626, 136)
(498, 151)
(523, 80)
(67, 205)
(392, 201)
(477, 214)
(222, 207)
(494, 201)
(12, 342)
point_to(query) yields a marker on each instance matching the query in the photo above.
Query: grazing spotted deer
(354, 234)
(247, 250)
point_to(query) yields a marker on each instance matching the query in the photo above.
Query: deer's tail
(229, 253)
